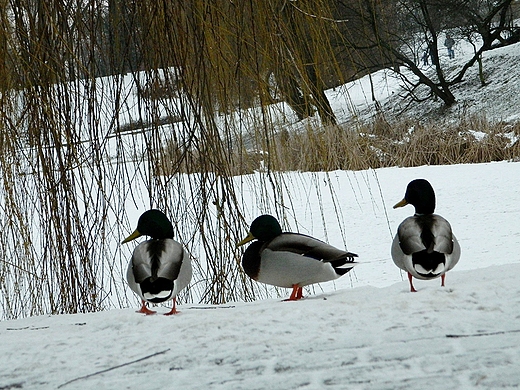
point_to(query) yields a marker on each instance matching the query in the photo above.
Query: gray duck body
(291, 259)
(159, 270)
(424, 245)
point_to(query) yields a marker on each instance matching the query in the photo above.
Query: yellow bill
(248, 238)
(401, 204)
(131, 237)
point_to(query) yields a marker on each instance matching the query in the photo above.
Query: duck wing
(409, 236)
(425, 232)
(454, 257)
(157, 259)
(310, 247)
(444, 239)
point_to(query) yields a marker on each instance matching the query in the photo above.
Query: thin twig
(113, 368)
(455, 336)
(20, 268)
(212, 307)
(319, 17)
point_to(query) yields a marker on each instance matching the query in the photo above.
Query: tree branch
(113, 368)
(456, 336)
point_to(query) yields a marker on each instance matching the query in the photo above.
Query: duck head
(264, 228)
(419, 194)
(153, 223)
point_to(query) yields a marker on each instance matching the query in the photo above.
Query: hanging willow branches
(109, 108)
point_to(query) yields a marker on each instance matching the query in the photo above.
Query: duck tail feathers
(344, 264)
(158, 290)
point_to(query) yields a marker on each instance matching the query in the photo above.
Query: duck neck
(424, 210)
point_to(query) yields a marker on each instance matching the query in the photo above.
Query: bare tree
(385, 33)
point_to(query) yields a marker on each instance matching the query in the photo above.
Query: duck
(160, 267)
(424, 246)
(290, 260)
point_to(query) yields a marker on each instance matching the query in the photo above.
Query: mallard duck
(291, 260)
(424, 245)
(160, 267)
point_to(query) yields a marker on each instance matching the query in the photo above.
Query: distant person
(425, 56)
(449, 43)
(431, 51)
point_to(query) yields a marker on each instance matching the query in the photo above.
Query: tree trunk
(293, 94)
(322, 103)
(309, 81)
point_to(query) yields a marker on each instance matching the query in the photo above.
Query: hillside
(496, 101)
(365, 331)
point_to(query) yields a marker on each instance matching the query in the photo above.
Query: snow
(496, 101)
(365, 331)
(463, 336)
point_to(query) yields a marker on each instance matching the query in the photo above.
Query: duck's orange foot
(173, 310)
(145, 310)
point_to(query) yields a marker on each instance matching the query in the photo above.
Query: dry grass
(379, 144)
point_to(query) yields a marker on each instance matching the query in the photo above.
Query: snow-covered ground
(464, 336)
(365, 331)
(496, 101)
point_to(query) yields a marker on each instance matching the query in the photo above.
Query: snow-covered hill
(498, 100)
(365, 331)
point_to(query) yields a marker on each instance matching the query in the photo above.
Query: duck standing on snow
(424, 245)
(291, 260)
(160, 267)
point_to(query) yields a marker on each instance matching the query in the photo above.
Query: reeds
(379, 144)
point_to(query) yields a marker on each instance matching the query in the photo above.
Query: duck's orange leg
(297, 293)
(412, 288)
(443, 276)
(144, 309)
(294, 294)
(173, 310)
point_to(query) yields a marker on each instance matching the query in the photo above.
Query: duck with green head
(160, 267)
(291, 260)
(424, 245)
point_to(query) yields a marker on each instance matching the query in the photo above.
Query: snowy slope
(498, 100)
(376, 335)
(365, 330)
(464, 336)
